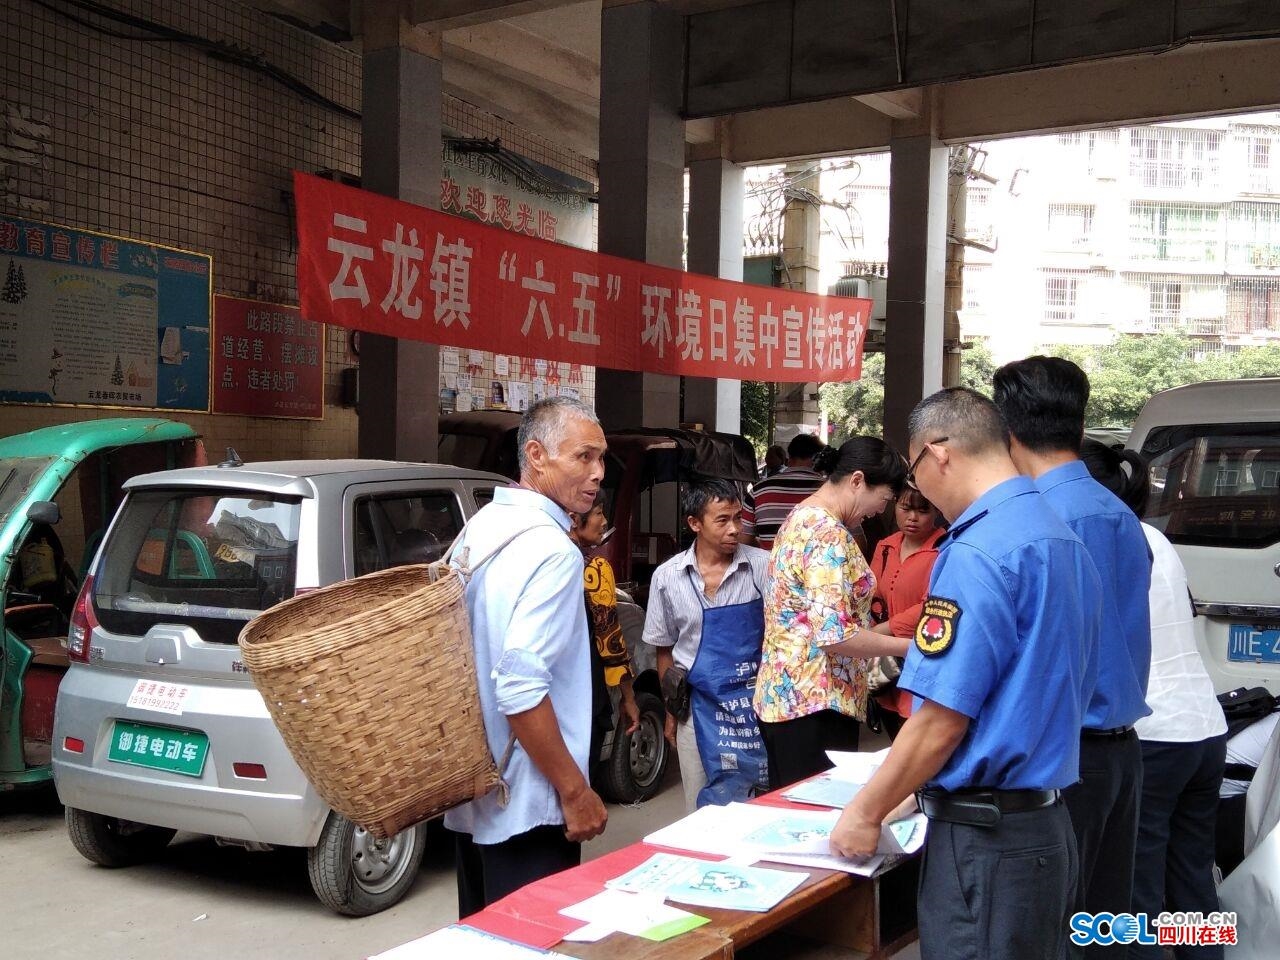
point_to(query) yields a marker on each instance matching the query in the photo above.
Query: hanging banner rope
(372, 263)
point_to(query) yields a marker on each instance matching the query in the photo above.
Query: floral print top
(819, 587)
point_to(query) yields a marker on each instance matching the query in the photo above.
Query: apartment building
(1132, 230)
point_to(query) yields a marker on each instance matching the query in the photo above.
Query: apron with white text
(721, 685)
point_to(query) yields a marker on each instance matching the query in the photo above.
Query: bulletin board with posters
(268, 360)
(88, 318)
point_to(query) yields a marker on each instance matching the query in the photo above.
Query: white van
(1214, 450)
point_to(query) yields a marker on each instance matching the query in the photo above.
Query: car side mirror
(44, 511)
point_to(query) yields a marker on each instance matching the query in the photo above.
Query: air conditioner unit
(868, 287)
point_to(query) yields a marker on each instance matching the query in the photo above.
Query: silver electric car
(158, 727)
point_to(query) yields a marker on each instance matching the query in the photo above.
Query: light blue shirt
(1016, 604)
(1116, 680)
(529, 627)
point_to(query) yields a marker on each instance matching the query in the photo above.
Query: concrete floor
(204, 902)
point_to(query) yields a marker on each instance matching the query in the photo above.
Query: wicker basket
(372, 684)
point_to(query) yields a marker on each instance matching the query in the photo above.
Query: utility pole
(796, 405)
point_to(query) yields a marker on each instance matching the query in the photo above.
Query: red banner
(372, 263)
(267, 360)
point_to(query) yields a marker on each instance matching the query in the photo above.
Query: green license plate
(159, 748)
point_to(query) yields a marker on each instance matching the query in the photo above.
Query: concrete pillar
(400, 157)
(715, 248)
(641, 179)
(914, 296)
(953, 295)
(796, 409)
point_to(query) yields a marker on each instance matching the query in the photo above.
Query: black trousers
(1230, 831)
(1176, 835)
(487, 872)
(797, 749)
(998, 893)
(1104, 816)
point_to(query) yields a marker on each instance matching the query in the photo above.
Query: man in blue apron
(706, 619)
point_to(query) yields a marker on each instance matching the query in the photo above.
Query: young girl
(902, 563)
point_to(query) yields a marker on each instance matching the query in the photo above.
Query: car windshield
(16, 476)
(189, 556)
(1215, 484)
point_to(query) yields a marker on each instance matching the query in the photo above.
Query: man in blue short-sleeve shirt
(996, 666)
(1042, 400)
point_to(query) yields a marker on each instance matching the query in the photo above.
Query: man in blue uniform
(996, 667)
(1042, 400)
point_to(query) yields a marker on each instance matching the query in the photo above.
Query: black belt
(1114, 733)
(981, 807)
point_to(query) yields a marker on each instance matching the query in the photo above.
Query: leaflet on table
(856, 767)
(459, 940)
(641, 915)
(824, 790)
(773, 833)
(704, 884)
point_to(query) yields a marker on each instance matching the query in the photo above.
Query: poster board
(88, 318)
(268, 360)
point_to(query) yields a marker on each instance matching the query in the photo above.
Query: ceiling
(537, 63)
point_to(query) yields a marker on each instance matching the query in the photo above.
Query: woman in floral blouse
(811, 692)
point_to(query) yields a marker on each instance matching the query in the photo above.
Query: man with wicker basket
(528, 621)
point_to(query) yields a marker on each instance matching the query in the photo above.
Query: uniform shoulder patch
(936, 630)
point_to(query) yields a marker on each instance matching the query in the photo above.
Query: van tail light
(82, 623)
(73, 745)
(249, 771)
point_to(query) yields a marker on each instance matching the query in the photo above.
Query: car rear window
(209, 560)
(1215, 484)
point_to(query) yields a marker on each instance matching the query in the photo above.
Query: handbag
(882, 675)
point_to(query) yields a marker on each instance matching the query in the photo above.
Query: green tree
(977, 366)
(757, 413)
(858, 407)
(1125, 373)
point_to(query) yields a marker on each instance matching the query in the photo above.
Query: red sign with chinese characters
(267, 360)
(373, 263)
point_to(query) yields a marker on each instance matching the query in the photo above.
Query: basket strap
(462, 557)
(504, 789)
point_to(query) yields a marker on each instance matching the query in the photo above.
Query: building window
(1253, 306)
(1070, 225)
(1174, 158)
(1173, 231)
(1164, 301)
(1258, 154)
(1060, 298)
(976, 280)
(1253, 235)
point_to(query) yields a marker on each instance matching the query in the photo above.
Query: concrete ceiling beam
(529, 58)
(823, 129)
(540, 113)
(1192, 81)
(897, 104)
(453, 14)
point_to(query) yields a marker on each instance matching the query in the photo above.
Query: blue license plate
(1249, 644)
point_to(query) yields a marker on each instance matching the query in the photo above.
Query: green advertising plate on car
(159, 748)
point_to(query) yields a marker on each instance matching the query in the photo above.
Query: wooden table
(875, 916)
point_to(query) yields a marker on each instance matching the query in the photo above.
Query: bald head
(969, 420)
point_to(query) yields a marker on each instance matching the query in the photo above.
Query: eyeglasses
(911, 470)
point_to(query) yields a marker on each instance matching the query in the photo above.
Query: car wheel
(639, 760)
(355, 874)
(111, 842)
